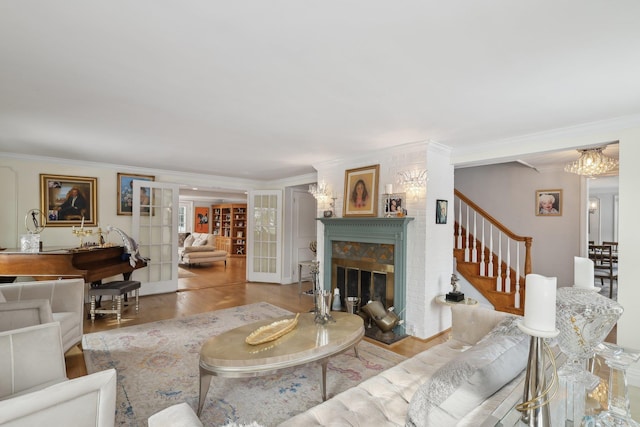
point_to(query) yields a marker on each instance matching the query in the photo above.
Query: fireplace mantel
(370, 230)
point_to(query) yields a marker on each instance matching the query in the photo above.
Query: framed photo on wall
(69, 200)
(361, 191)
(548, 202)
(442, 207)
(125, 189)
(201, 220)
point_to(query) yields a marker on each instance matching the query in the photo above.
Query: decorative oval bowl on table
(272, 331)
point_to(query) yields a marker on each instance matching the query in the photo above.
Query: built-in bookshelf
(230, 228)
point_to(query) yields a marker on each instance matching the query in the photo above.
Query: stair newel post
(516, 302)
(474, 250)
(499, 276)
(459, 245)
(466, 249)
(507, 280)
(490, 250)
(482, 264)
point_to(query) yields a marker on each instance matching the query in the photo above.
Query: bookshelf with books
(230, 228)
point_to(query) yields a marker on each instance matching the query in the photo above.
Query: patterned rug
(157, 365)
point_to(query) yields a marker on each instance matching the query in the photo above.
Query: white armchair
(31, 358)
(20, 314)
(35, 391)
(88, 401)
(66, 299)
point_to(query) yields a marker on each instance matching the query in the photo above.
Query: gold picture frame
(68, 201)
(361, 191)
(548, 202)
(125, 187)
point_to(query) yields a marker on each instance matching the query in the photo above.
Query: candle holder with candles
(81, 233)
(540, 323)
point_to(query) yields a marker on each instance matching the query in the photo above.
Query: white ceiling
(264, 89)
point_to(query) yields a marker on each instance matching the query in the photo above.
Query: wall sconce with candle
(320, 191)
(413, 181)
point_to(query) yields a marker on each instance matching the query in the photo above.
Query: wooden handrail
(526, 239)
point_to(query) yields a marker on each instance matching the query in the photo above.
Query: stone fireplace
(366, 257)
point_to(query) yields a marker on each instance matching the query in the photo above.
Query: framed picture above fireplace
(361, 191)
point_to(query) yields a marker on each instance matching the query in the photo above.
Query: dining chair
(604, 266)
(614, 250)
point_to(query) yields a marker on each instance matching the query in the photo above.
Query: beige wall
(507, 192)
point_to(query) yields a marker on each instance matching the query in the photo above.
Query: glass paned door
(155, 229)
(265, 222)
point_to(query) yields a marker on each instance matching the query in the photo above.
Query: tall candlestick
(82, 223)
(540, 306)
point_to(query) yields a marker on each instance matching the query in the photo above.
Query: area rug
(157, 365)
(184, 273)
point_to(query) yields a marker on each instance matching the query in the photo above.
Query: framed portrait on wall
(201, 220)
(548, 202)
(69, 201)
(441, 211)
(125, 193)
(361, 191)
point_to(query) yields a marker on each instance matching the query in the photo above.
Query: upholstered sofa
(459, 382)
(200, 248)
(24, 306)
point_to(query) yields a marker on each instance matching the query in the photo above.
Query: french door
(264, 259)
(155, 229)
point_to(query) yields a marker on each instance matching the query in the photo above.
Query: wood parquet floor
(212, 287)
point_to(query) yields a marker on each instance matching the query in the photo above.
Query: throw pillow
(189, 240)
(201, 241)
(468, 380)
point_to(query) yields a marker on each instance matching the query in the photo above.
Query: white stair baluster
(459, 245)
(466, 249)
(499, 277)
(474, 250)
(516, 302)
(490, 267)
(482, 264)
(507, 280)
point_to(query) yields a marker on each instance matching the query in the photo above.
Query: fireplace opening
(365, 280)
(367, 271)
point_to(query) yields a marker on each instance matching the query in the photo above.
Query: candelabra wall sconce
(413, 181)
(320, 191)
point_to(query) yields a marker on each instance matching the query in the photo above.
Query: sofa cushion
(2, 297)
(188, 241)
(468, 327)
(192, 249)
(466, 381)
(201, 242)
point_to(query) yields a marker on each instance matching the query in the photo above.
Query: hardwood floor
(212, 287)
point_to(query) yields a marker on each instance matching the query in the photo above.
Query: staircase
(490, 256)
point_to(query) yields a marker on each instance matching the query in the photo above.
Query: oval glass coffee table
(228, 355)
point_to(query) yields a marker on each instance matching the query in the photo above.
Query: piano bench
(117, 290)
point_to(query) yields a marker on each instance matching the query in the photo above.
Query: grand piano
(92, 264)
